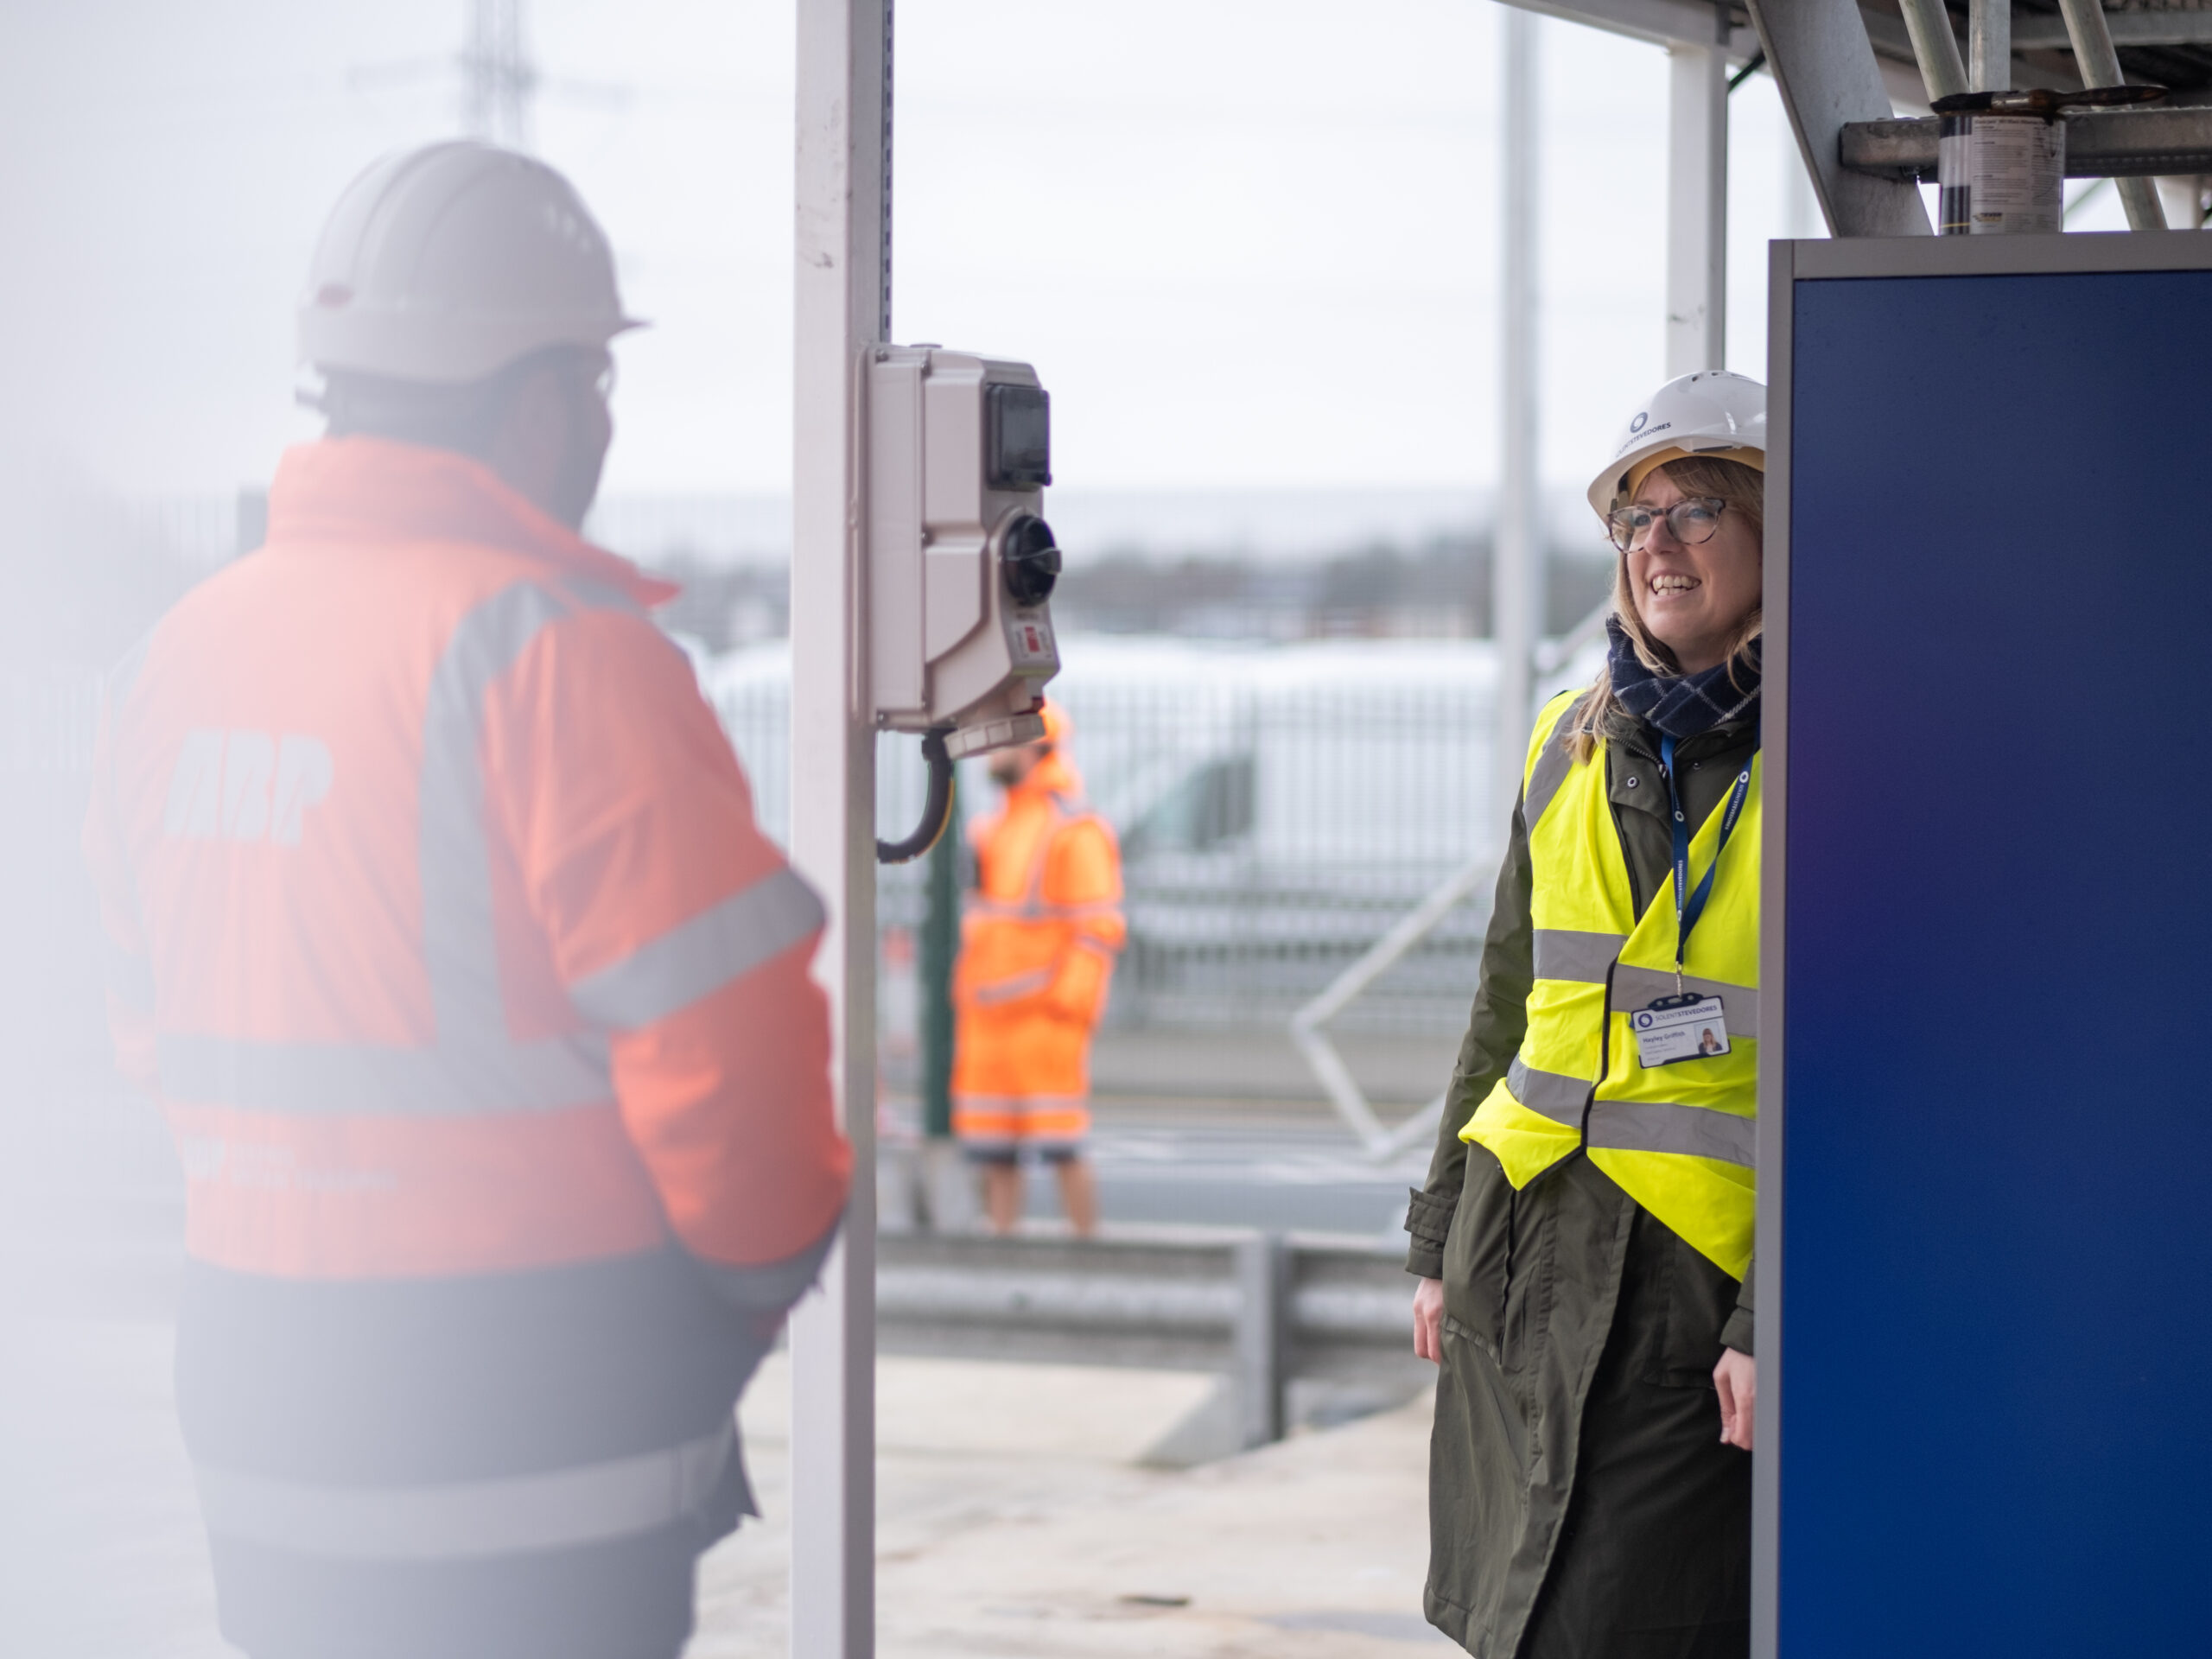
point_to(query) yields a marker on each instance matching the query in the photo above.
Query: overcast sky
(1247, 245)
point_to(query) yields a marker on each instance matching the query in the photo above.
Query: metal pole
(841, 290)
(1515, 566)
(948, 1185)
(1697, 206)
(940, 948)
(1989, 45)
(1260, 1337)
(1824, 67)
(1942, 71)
(2100, 65)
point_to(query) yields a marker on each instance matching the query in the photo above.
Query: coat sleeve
(1495, 1027)
(1737, 1333)
(679, 930)
(1083, 870)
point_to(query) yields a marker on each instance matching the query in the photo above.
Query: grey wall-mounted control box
(960, 561)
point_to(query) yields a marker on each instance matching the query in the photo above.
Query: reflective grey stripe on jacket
(1551, 1094)
(1008, 990)
(1032, 906)
(622, 1497)
(1635, 1125)
(1661, 1126)
(1583, 958)
(490, 1073)
(1553, 765)
(698, 957)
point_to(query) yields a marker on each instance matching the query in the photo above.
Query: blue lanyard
(1689, 909)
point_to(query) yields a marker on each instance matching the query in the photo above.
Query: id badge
(1686, 1027)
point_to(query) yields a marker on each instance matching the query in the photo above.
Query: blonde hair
(1744, 489)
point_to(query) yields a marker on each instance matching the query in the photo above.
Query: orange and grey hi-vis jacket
(478, 1008)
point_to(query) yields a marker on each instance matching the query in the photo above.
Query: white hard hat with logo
(1712, 412)
(446, 263)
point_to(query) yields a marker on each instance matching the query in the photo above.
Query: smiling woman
(1584, 1240)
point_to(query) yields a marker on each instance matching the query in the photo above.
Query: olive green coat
(1581, 1505)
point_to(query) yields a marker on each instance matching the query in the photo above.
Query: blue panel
(1999, 1169)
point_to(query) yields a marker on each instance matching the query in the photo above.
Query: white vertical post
(1697, 206)
(842, 293)
(1515, 566)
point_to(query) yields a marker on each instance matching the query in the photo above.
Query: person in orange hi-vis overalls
(1036, 952)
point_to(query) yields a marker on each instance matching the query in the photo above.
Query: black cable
(936, 810)
(1758, 63)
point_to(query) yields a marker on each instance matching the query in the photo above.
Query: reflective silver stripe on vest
(493, 1074)
(1551, 1094)
(698, 957)
(1006, 990)
(1583, 958)
(1022, 910)
(1638, 988)
(1549, 773)
(1030, 906)
(1661, 1126)
(459, 946)
(460, 1520)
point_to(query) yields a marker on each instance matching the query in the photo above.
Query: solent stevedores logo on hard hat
(244, 785)
(1642, 415)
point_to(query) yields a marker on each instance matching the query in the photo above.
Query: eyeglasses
(1692, 519)
(596, 375)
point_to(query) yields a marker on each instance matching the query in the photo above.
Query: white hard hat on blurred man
(447, 263)
(1711, 413)
(462, 297)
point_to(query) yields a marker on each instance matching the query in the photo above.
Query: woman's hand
(1737, 1377)
(1428, 1320)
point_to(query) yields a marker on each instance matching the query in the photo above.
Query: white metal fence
(1279, 808)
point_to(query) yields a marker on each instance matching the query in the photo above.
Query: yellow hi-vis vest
(1681, 1140)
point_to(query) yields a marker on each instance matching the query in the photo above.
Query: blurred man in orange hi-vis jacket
(478, 1004)
(1036, 952)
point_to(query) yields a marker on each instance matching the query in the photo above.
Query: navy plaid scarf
(1681, 705)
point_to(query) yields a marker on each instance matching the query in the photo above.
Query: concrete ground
(1016, 1518)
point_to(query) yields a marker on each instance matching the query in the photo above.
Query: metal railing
(1277, 1315)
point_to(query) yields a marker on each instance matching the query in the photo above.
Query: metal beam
(1823, 66)
(1989, 45)
(1697, 207)
(841, 294)
(2099, 144)
(1893, 49)
(2100, 66)
(1935, 47)
(1661, 22)
(2048, 34)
